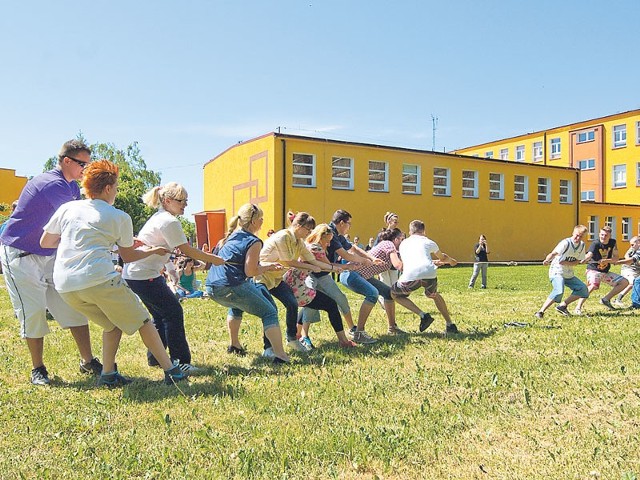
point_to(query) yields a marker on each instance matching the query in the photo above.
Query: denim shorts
(576, 285)
(248, 297)
(368, 288)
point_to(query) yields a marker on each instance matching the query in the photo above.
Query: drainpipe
(544, 147)
(284, 182)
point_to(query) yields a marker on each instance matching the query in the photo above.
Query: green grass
(559, 398)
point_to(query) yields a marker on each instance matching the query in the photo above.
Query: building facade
(459, 197)
(12, 185)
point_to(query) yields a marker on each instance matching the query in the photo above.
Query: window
(637, 133)
(469, 184)
(555, 148)
(378, 176)
(537, 151)
(411, 179)
(588, 164)
(626, 228)
(441, 184)
(619, 136)
(619, 176)
(588, 196)
(496, 186)
(638, 174)
(611, 222)
(342, 173)
(489, 154)
(521, 188)
(504, 154)
(586, 136)
(544, 189)
(304, 170)
(566, 194)
(593, 227)
(520, 153)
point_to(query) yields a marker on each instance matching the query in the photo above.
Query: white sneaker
(577, 311)
(190, 369)
(297, 346)
(618, 303)
(268, 353)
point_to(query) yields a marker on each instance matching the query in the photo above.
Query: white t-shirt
(88, 230)
(417, 263)
(161, 230)
(567, 251)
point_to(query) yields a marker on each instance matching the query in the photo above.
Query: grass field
(559, 398)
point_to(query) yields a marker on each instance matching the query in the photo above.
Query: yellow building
(12, 185)
(605, 149)
(459, 197)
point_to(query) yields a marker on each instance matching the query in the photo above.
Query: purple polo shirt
(40, 198)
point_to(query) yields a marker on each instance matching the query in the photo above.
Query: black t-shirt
(601, 250)
(482, 256)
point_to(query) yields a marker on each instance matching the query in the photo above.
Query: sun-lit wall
(12, 185)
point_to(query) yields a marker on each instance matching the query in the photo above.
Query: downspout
(544, 148)
(577, 196)
(284, 182)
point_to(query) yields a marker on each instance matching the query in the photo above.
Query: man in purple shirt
(28, 267)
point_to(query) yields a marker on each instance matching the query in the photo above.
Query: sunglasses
(79, 162)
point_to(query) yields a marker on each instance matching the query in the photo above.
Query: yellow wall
(243, 174)
(12, 185)
(628, 155)
(600, 211)
(454, 222)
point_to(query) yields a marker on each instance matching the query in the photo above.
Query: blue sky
(189, 79)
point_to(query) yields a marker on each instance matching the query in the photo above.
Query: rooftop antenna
(434, 127)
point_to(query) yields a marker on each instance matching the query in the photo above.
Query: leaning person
(231, 286)
(84, 232)
(28, 267)
(145, 277)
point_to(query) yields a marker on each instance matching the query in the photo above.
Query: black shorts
(403, 289)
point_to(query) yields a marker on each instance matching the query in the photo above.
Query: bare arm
(131, 254)
(49, 240)
(395, 260)
(444, 258)
(200, 255)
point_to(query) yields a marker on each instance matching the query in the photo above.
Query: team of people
(56, 253)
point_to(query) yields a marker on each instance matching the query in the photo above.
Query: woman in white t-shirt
(145, 278)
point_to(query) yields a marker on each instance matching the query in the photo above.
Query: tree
(135, 180)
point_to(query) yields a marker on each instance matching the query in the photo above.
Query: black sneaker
(562, 310)
(94, 367)
(175, 374)
(241, 352)
(607, 303)
(539, 315)
(112, 380)
(40, 376)
(280, 361)
(425, 321)
(451, 328)
(151, 361)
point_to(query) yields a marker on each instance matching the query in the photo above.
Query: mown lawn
(558, 398)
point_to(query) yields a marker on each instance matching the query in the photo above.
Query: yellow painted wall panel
(12, 185)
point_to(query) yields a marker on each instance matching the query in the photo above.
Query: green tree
(135, 179)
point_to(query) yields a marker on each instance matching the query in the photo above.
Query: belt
(23, 254)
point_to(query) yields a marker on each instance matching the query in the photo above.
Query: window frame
(584, 194)
(466, 189)
(547, 190)
(587, 162)
(488, 154)
(592, 226)
(500, 190)
(525, 188)
(566, 198)
(616, 170)
(537, 152)
(384, 182)
(626, 228)
(350, 168)
(621, 132)
(556, 147)
(520, 153)
(446, 188)
(418, 182)
(504, 153)
(589, 136)
(295, 176)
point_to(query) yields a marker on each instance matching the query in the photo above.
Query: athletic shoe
(280, 361)
(152, 362)
(539, 315)
(94, 367)
(425, 321)
(562, 310)
(113, 379)
(577, 311)
(174, 374)
(351, 332)
(269, 353)
(241, 352)
(40, 376)
(607, 303)
(362, 337)
(451, 328)
(296, 345)
(188, 368)
(395, 330)
(617, 303)
(306, 343)
(348, 344)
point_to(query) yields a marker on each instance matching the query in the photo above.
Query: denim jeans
(284, 293)
(576, 285)
(479, 267)
(369, 288)
(253, 298)
(168, 316)
(635, 293)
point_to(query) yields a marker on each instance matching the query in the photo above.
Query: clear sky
(188, 79)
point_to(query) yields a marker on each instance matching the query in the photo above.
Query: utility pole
(434, 126)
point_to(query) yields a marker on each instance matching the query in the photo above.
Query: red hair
(97, 175)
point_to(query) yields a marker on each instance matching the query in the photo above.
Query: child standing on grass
(84, 232)
(567, 254)
(419, 270)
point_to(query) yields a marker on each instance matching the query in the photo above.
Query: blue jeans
(284, 293)
(635, 293)
(194, 294)
(248, 297)
(369, 288)
(168, 316)
(576, 285)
